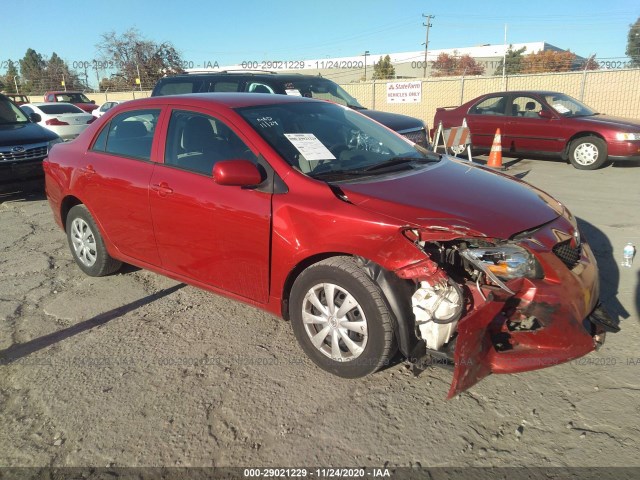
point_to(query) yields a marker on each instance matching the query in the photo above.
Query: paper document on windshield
(560, 108)
(309, 146)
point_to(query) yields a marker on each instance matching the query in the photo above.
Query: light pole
(366, 53)
(15, 82)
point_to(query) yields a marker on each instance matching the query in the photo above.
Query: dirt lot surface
(138, 370)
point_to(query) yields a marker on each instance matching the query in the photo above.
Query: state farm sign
(404, 92)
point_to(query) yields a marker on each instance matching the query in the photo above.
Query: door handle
(88, 170)
(162, 188)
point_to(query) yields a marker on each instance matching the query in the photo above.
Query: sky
(230, 32)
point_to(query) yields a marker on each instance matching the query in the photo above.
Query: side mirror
(35, 117)
(239, 173)
(545, 114)
(92, 101)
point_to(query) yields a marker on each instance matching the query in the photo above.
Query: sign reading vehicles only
(404, 92)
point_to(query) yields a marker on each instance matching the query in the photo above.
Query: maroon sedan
(546, 124)
(79, 99)
(312, 211)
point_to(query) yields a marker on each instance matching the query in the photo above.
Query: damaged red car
(367, 243)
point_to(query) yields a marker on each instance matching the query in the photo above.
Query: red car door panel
(115, 187)
(215, 234)
(527, 131)
(485, 118)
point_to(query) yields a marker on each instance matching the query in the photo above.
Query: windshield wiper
(337, 173)
(392, 162)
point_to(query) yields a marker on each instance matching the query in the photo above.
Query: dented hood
(452, 192)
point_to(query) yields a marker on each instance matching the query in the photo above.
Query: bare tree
(133, 55)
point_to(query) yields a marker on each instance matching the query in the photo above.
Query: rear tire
(341, 319)
(86, 244)
(588, 153)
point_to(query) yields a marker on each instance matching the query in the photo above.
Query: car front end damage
(488, 306)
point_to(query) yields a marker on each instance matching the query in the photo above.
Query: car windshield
(327, 141)
(72, 98)
(10, 114)
(568, 106)
(56, 109)
(322, 89)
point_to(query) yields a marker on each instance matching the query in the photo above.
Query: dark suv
(23, 145)
(287, 84)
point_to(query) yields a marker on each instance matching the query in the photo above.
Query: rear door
(485, 117)
(113, 181)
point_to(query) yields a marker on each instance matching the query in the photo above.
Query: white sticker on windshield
(293, 91)
(309, 146)
(558, 107)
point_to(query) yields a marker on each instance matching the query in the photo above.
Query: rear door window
(490, 106)
(129, 134)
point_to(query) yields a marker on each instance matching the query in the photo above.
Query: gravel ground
(137, 370)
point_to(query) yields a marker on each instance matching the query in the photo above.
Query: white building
(406, 64)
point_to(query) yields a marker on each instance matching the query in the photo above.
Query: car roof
(524, 92)
(284, 77)
(47, 104)
(230, 100)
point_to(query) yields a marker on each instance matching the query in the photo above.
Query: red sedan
(547, 124)
(322, 216)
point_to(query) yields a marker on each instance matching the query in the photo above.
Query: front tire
(341, 319)
(588, 153)
(86, 244)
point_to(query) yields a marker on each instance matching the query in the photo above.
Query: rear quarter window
(59, 109)
(179, 88)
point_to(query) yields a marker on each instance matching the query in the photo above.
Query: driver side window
(196, 141)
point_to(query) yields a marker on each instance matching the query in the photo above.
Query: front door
(218, 235)
(527, 131)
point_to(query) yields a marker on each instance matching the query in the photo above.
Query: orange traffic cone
(495, 156)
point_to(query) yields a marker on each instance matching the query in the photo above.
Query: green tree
(633, 43)
(384, 69)
(32, 71)
(10, 78)
(512, 60)
(131, 53)
(57, 70)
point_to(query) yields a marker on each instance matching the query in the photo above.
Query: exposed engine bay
(485, 307)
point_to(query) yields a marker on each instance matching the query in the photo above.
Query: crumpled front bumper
(563, 318)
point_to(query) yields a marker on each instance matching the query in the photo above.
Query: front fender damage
(450, 312)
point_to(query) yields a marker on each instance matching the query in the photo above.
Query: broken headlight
(505, 262)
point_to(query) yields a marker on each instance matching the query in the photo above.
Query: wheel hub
(84, 242)
(335, 322)
(586, 154)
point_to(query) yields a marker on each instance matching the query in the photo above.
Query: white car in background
(98, 112)
(64, 119)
